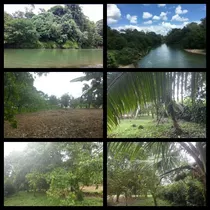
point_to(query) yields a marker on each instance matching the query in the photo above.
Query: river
(169, 57)
(53, 58)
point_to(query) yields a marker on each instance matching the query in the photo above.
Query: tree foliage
(192, 36)
(59, 27)
(129, 90)
(129, 45)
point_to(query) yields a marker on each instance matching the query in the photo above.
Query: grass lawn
(150, 130)
(149, 202)
(41, 199)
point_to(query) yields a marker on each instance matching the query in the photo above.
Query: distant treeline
(192, 36)
(59, 27)
(128, 46)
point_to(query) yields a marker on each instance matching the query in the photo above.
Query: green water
(168, 57)
(52, 58)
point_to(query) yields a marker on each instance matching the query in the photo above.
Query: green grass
(41, 199)
(150, 130)
(149, 202)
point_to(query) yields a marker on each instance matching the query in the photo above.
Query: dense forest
(129, 46)
(59, 27)
(20, 95)
(156, 174)
(54, 174)
(157, 104)
(192, 36)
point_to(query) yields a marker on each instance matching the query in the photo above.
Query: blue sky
(159, 18)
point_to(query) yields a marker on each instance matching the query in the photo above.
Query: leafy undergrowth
(129, 128)
(28, 199)
(69, 123)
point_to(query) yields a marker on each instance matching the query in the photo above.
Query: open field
(69, 123)
(129, 128)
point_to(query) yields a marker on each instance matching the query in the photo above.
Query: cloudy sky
(93, 11)
(159, 18)
(58, 83)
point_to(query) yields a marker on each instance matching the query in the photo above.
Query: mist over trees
(58, 169)
(59, 27)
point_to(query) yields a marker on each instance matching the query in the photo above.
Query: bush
(70, 45)
(181, 194)
(111, 60)
(175, 193)
(9, 188)
(195, 195)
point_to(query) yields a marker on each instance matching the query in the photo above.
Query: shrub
(196, 196)
(70, 45)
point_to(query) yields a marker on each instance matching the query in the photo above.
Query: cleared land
(131, 128)
(69, 123)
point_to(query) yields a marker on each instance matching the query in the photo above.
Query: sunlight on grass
(126, 130)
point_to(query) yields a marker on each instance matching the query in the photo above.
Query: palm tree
(166, 151)
(127, 90)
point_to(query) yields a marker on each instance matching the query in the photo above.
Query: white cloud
(156, 17)
(146, 15)
(132, 19)
(87, 9)
(179, 10)
(113, 13)
(178, 18)
(163, 28)
(146, 4)
(161, 5)
(148, 22)
(163, 16)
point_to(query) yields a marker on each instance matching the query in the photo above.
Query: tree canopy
(59, 27)
(192, 36)
(159, 169)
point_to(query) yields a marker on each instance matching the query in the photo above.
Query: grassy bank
(129, 128)
(41, 199)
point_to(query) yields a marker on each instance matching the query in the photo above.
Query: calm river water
(52, 58)
(168, 57)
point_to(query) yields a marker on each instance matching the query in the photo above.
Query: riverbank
(127, 66)
(196, 51)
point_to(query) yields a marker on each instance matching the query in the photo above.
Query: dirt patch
(92, 188)
(70, 123)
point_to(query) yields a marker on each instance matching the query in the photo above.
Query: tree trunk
(155, 199)
(182, 87)
(193, 87)
(118, 195)
(178, 85)
(145, 194)
(178, 130)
